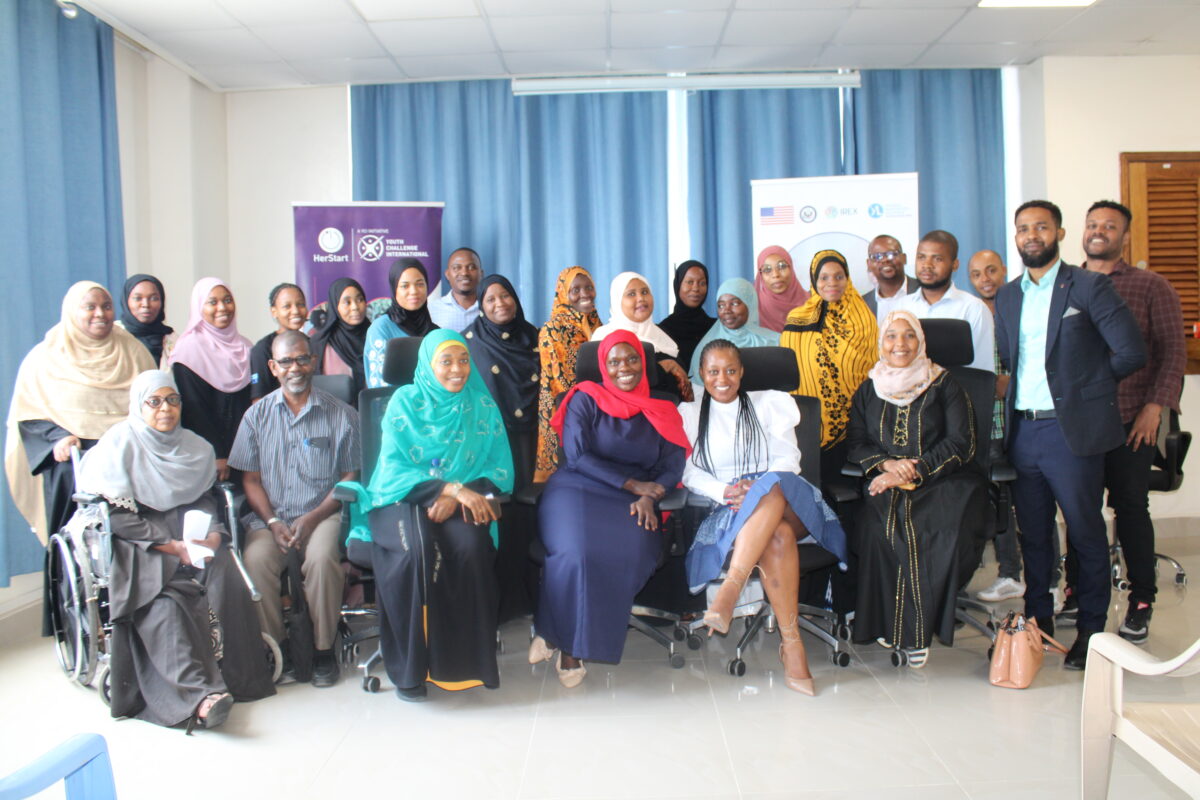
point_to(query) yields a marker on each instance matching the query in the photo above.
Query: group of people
(1086, 359)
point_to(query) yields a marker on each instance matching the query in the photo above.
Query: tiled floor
(640, 729)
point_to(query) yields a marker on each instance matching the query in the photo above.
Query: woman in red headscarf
(622, 450)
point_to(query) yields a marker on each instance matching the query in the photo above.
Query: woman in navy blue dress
(622, 450)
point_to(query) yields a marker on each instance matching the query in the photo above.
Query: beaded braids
(749, 440)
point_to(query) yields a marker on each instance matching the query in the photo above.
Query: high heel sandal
(735, 579)
(540, 650)
(789, 633)
(215, 715)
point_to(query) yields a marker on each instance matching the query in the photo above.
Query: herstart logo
(330, 240)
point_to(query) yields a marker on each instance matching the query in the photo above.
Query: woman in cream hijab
(71, 388)
(631, 309)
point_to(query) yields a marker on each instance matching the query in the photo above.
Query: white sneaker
(1002, 589)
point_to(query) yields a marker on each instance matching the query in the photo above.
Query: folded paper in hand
(196, 525)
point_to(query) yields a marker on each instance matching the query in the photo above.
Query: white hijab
(617, 321)
(134, 463)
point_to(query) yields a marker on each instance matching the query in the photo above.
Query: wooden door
(1163, 192)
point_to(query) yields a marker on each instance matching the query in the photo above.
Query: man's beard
(1047, 256)
(942, 284)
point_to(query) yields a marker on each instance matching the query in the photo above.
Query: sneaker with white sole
(1002, 589)
(1136, 626)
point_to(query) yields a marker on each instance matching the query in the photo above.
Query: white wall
(284, 146)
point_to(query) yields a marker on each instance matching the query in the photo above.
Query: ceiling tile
(775, 58)
(349, 70)
(1186, 30)
(1099, 24)
(670, 5)
(381, 10)
(792, 5)
(232, 75)
(434, 37)
(517, 34)
(288, 12)
(510, 8)
(177, 15)
(869, 56)
(667, 29)
(668, 59)
(1008, 25)
(975, 55)
(770, 28)
(479, 65)
(557, 62)
(335, 40)
(1166, 48)
(232, 46)
(1042, 49)
(912, 4)
(895, 26)
(1149, 3)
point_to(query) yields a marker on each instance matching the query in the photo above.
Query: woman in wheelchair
(746, 462)
(186, 640)
(912, 430)
(621, 451)
(432, 518)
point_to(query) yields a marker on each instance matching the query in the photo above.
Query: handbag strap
(1052, 642)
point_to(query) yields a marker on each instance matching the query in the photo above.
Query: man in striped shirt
(292, 447)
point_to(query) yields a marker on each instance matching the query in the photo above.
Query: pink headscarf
(901, 385)
(773, 308)
(220, 357)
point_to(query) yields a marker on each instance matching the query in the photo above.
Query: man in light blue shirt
(459, 306)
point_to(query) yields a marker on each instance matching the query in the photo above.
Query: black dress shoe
(325, 669)
(1077, 655)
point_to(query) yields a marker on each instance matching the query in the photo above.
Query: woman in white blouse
(746, 462)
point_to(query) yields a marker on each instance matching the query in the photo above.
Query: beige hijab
(78, 383)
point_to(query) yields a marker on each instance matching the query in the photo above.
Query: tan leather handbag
(1018, 652)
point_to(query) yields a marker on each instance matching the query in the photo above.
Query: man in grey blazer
(885, 262)
(1067, 337)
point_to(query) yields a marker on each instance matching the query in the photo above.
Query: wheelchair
(77, 579)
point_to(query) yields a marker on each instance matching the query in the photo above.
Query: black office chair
(776, 368)
(340, 386)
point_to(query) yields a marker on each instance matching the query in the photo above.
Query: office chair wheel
(842, 632)
(677, 661)
(840, 658)
(104, 684)
(737, 668)
(694, 641)
(1120, 584)
(679, 633)
(274, 657)
(371, 684)
(1181, 579)
(899, 658)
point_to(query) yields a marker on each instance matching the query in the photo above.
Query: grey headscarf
(133, 463)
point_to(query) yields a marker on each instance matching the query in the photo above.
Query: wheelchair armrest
(852, 470)
(83, 498)
(674, 500)
(529, 494)
(344, 494)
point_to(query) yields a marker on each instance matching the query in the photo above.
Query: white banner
(843, 213)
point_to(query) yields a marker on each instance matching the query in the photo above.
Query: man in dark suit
(1067, 338)
(885, 262)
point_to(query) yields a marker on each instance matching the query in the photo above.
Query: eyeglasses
(300, 361)
(173, 400)
(782, 266)
(887, 255)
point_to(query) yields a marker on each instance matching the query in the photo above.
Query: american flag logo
(777, 215)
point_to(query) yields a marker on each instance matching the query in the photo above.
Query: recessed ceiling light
(1035, 3)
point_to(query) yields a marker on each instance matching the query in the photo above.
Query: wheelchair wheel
(104, 684)
(274, 657)
(74, 620)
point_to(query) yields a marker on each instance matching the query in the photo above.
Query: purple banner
(360, 241)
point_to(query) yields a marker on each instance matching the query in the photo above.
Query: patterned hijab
(427, 427)
(558, 344)
(135, 464)
(148, 333)
(749, 335)
(646, 330)
(220, 357)
(835, 344)
(773, 309)
(901, 385)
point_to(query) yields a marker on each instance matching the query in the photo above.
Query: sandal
(215, 710)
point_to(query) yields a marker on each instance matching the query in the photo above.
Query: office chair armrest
(675, 499)
(843, 493)
(529, 494)
(1002, 472)
(852, 470)
(344, 494)
(84, 498)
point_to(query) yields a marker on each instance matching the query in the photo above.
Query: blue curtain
(535, 184)
(60, 195)
(736, 136)
(948, 126)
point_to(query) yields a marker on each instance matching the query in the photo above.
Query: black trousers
(1127, 479)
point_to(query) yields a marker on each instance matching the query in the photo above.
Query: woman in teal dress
(407, 316)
